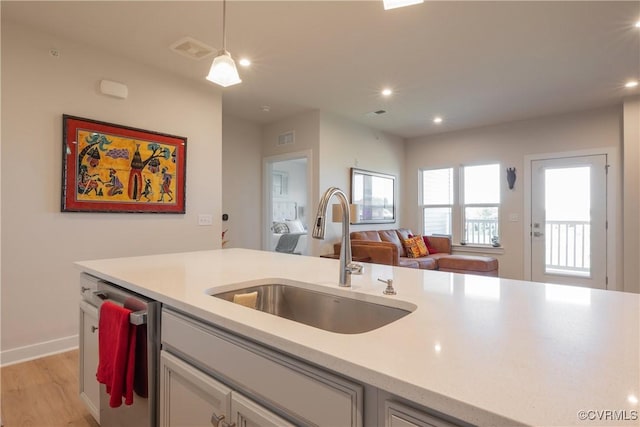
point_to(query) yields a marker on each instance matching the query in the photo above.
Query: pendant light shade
(223, 71)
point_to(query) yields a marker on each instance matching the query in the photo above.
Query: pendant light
(223, 71)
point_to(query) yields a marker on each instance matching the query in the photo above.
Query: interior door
(568, 221)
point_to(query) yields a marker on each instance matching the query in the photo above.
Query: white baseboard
(36, 351)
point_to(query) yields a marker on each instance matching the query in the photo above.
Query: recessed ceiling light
(392, 4)
(386, 92)
(437, 120)
(244, 62)
(631, 84)
(266, 108)
(638, 24)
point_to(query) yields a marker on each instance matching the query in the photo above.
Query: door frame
(267, 206)
(611, 209)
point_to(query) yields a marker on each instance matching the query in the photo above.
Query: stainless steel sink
(319, 309)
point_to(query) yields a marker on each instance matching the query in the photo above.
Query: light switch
(205, 219)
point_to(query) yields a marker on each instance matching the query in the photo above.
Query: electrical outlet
(514, 217)
(205, 219)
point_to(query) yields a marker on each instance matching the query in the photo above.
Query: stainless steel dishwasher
(146, 314)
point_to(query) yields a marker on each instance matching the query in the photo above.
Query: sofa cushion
(426, 263)
(415, 247)
(468, 263)
(408, 262)
(366, 235)
(430, 247)
(392, 236)
(427, 242)
(404, 233)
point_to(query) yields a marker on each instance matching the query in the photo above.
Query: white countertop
(485, 350)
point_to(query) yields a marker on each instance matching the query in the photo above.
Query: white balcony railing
(480, 231)
(568, 247)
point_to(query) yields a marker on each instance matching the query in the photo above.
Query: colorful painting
(112, 168)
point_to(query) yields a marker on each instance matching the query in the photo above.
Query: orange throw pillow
(415, 247)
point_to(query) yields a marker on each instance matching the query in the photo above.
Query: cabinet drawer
(312, 396)
(399, 415)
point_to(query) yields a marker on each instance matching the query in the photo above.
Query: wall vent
(287, 138)
(192, 48)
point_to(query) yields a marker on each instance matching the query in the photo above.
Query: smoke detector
(192, 48)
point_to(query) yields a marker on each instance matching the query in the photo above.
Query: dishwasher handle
(135, 318)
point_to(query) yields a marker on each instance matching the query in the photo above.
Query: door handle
(538, 234)
(216, 420)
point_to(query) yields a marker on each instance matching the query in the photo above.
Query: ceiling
(474, 63)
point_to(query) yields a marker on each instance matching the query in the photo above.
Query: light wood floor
(43, 393)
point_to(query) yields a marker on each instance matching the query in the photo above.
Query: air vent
(192, 48)
(375, 113)
(287, 138)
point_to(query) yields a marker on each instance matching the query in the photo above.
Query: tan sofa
(385, 247)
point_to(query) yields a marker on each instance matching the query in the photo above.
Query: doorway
(568, 220)
(287, 201)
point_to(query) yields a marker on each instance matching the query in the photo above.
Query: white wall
(39, 243)
(345, 144)
(508, 144)
(631, 192)
(242, 182)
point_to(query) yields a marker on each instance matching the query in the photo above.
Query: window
(476, 208)
(280, 181)
(437, 200)
(481, 204)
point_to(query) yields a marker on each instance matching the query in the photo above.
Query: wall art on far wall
(113, 168)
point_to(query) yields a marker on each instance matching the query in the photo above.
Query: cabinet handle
(94, 329)
(216, 420)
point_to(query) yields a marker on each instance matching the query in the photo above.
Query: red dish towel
(116, 352)
(140, 377)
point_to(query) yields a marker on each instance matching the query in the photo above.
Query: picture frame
(113, 168)
(374, 195)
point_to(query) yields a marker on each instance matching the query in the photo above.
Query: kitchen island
(481, 350)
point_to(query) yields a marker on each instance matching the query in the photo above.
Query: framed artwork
(374, 194)
(112, 168)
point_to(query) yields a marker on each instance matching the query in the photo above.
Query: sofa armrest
(377, 252)
(441, 243)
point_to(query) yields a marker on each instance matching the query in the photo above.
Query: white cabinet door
(189, 397)
(246, 413)
(399, 415)
(309, 394)
(89, 386)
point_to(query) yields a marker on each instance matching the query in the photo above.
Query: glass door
(568, 221)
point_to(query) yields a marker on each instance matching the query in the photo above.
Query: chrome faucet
(347, 266)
